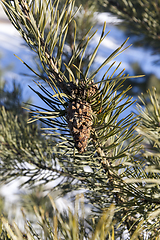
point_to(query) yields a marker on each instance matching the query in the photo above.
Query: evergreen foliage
(146, 83)
(73, 226)
(146, 167)
(113, 167)
(141, 18)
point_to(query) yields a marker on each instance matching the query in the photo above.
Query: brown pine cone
(79, 118)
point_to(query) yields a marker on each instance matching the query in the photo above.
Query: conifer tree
(86, 142)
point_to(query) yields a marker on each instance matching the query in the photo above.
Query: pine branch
(68, 226)
(83, 117)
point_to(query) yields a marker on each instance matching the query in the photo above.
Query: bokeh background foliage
(117, 166)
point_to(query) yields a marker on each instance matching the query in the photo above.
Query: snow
(108, 18)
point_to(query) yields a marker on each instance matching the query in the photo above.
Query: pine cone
(79, 118)
(79, 113)
(80, 90)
